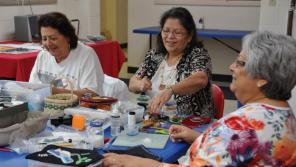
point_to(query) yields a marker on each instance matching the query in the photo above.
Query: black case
(13, 115)
(43, 156)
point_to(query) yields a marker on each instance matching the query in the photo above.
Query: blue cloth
(170, 153)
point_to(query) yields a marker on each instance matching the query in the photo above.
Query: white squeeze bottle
(115, 123)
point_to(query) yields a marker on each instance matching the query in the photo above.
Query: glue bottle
(115, 123)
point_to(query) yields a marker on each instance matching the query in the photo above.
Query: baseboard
(132, 70)
(221, 78)
(3, 78)
(125, 80)
(123, 45)
(227, 93)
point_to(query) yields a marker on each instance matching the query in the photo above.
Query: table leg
(227, 45)
(150, 41)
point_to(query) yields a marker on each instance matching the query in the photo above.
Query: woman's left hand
(159, 100)
(112, 159)
(123, 160)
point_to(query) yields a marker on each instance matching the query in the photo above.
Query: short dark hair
(186, 20)
(61, 23)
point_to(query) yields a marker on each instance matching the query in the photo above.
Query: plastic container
(35, 102)
(139, 110)
(169, 109)
(95, 133)
(34, 94)
(115, 124)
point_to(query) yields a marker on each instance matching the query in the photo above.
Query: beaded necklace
(168, 73)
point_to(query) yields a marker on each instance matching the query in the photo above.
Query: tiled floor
(229, 105)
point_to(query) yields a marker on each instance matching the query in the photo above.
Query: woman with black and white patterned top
(179, 69)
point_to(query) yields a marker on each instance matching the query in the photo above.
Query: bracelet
(169, 87)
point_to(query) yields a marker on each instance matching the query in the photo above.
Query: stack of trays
(98, 102)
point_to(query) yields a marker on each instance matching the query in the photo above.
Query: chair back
(218, 99)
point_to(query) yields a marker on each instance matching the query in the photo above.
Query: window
(209, 2)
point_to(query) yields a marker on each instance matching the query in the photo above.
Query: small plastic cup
(169, 109)
(132, 130)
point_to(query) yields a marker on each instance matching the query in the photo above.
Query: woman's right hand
(145, 84)
(179, 133)
(138, 85)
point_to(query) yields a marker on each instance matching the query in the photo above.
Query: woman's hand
(123, 160)
(145, 84)
(178, 132)
(138, 85)
(159, 100)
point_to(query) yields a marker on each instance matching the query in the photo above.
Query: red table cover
(19, 66)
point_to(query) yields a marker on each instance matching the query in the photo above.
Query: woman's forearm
(79, 92)
(191, 84)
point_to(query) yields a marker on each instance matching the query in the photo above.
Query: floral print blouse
(198, 59)
(254, 135)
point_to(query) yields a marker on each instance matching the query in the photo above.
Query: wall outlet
(272, 2)
(201, 23)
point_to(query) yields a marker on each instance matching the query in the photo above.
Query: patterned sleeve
(145, 68)
(201, 61)
(254, 135)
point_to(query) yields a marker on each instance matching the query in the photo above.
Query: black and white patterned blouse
(198, 103)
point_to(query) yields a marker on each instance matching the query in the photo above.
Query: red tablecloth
(19, 66)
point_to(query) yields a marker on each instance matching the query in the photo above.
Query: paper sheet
(148, 140)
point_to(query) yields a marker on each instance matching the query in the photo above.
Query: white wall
(274, 18)
(87, 11)
(292, 101)
(143, 13)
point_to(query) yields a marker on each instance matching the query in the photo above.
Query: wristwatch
(169, 87)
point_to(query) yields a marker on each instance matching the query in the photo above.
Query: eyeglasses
(239, 63)
(176, 33)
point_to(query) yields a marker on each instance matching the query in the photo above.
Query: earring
(259, 84)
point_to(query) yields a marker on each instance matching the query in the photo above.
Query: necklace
(168, 73)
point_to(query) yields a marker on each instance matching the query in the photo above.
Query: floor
(229, 106)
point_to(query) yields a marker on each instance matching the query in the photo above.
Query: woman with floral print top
(180, 66)
(261, 133)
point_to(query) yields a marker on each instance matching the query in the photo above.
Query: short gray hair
(272, 57)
